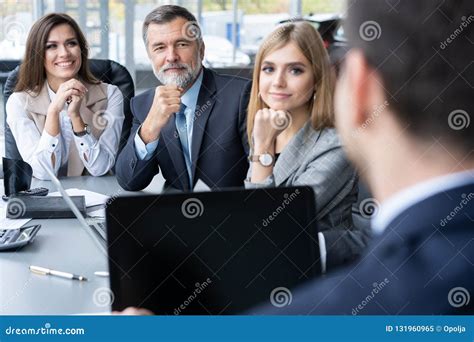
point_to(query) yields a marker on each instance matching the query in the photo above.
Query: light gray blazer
(316, 158)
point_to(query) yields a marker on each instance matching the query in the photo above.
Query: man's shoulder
(144, 95)
(140, 104)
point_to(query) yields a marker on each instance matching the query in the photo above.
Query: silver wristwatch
(265, 159)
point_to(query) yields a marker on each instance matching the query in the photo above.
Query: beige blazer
(92, 109)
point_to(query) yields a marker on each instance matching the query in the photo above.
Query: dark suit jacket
(422, 264)
(219, 146)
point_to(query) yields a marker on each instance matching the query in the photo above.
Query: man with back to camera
(191, 127)
(403, 108)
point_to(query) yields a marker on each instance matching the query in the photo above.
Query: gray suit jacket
(316, 158)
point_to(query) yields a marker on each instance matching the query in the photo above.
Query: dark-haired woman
(60, 115)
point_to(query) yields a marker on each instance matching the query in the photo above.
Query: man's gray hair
(166, 13)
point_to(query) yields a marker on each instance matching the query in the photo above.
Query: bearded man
(191, 127)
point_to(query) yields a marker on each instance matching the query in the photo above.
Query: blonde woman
(290, 126)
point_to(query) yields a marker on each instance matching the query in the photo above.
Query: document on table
(6, 223)
(92, 198)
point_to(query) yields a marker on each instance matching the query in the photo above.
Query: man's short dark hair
(423, 50)
(167, 13)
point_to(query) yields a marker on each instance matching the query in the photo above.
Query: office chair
(104, 70)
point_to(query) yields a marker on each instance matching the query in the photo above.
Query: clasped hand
(71, 92)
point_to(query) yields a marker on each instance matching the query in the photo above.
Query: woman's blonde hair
(311, 45)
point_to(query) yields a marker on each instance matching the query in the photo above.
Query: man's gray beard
(182, 79)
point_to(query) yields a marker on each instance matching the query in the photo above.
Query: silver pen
(47, 271)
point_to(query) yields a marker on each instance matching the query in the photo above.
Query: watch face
(266, 159)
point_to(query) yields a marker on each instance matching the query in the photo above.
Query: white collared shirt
(404, 199)
(98, 156)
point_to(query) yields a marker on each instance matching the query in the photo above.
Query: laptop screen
(210, 253)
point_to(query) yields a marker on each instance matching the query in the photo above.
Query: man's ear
(359, 85)
(201, 50)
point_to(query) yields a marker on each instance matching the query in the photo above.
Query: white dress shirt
(98, 156)
(404, 199)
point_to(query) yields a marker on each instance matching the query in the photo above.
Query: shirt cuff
(48, 142)
(144, 152)
(85, 143)
(266, 183)
(322, 251)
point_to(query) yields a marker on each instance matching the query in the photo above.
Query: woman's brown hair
(32, 73)
(311, 45)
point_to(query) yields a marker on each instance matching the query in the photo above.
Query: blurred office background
(232, 30)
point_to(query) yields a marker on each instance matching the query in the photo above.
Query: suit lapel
(205, 103)
(295, 152)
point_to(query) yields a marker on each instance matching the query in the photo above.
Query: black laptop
(211, 252)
